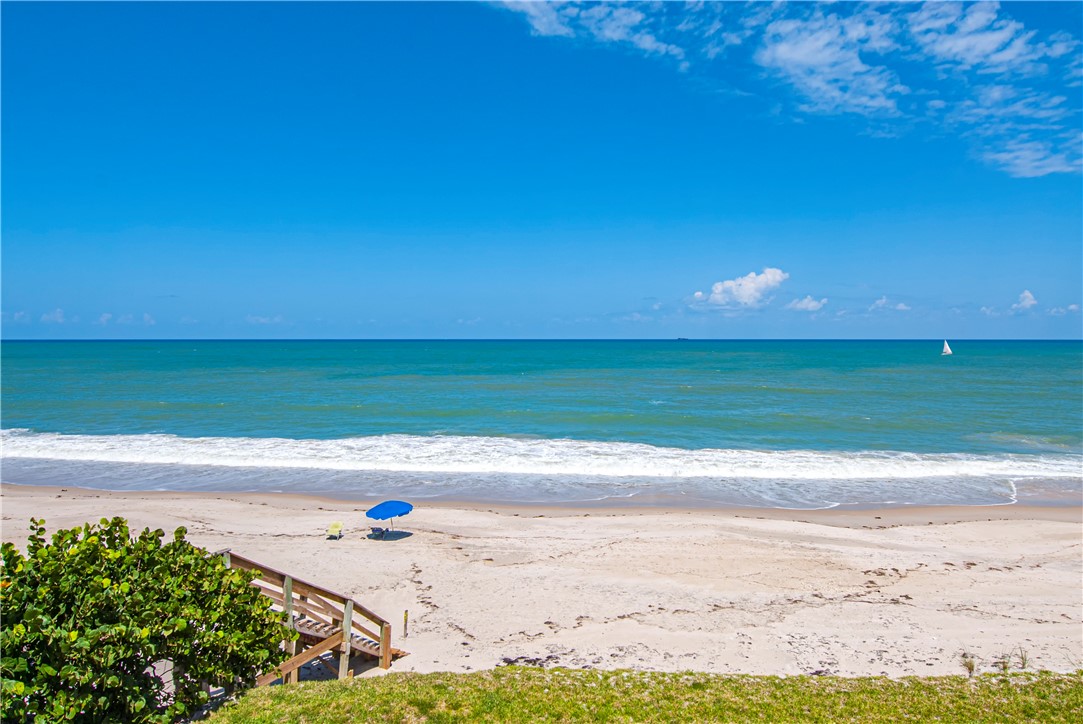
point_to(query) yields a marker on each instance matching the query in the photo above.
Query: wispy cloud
(103, 319)
(546, 18)
(54, 317)
(978, 37)
(1061, 311)
(257, 319)
(808, 304)
(972, 70)
(613, 22)
(883, 303)
(821, 57)
(1025, 158)
(149, 320)
(743, 292)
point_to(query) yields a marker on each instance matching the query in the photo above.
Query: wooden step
(318, 630)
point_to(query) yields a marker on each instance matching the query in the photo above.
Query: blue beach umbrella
(388, 510)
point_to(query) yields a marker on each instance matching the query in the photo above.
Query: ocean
(785, 424)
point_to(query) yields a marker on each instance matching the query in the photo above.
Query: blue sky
(576, 170)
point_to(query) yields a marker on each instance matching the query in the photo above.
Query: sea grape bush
(87, 616)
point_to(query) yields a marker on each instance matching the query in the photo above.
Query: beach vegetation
(529, 694)
(969, 662)
(99, 625)
(1023, 657)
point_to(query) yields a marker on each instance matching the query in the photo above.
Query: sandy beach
(893, 591)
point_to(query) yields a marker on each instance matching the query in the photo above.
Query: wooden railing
(323, 619)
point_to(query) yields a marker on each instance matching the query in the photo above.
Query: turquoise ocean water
(795, 424)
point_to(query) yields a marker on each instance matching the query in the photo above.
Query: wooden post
(406, 623)
(291, 646)
(347, 627)
(385, 646)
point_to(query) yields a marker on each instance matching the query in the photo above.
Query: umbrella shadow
(389, 535)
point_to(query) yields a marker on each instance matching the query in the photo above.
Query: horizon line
(550, 339)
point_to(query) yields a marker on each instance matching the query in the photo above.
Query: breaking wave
(455, 454)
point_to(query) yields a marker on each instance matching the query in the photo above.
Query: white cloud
(746, 291)
(54, 317)
(808, 304)
(21, 317)
(104, 318)
(990, 312)
(883, 303)
(979, 38)
(255, 319)
(603, 22)
(971, 71)
(822, 57)
(1026, 301)
(994, 103)
(188, 320)
(1023, 132)
(148, 320)
(545, 17)
(124, 319)
(1061, 311)
(1028, 159)
(621, 23)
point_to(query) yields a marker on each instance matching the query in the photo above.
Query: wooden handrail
(302, 587)
(316, 611)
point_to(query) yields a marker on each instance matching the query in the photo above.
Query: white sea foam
(506, 456)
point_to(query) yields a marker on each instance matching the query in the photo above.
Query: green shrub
(92, 615)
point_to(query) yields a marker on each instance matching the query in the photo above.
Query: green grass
(518, 694)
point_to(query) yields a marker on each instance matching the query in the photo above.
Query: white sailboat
(947, 349)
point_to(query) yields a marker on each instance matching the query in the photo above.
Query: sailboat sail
(947, 349)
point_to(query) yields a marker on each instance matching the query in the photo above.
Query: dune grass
(516, 694)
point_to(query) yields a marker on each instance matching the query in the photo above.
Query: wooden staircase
(321, 618)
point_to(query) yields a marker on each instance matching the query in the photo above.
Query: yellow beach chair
(334, 531)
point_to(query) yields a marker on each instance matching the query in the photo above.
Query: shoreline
(893, 592)
(843, 516)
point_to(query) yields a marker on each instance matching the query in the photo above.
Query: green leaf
(90, 634)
